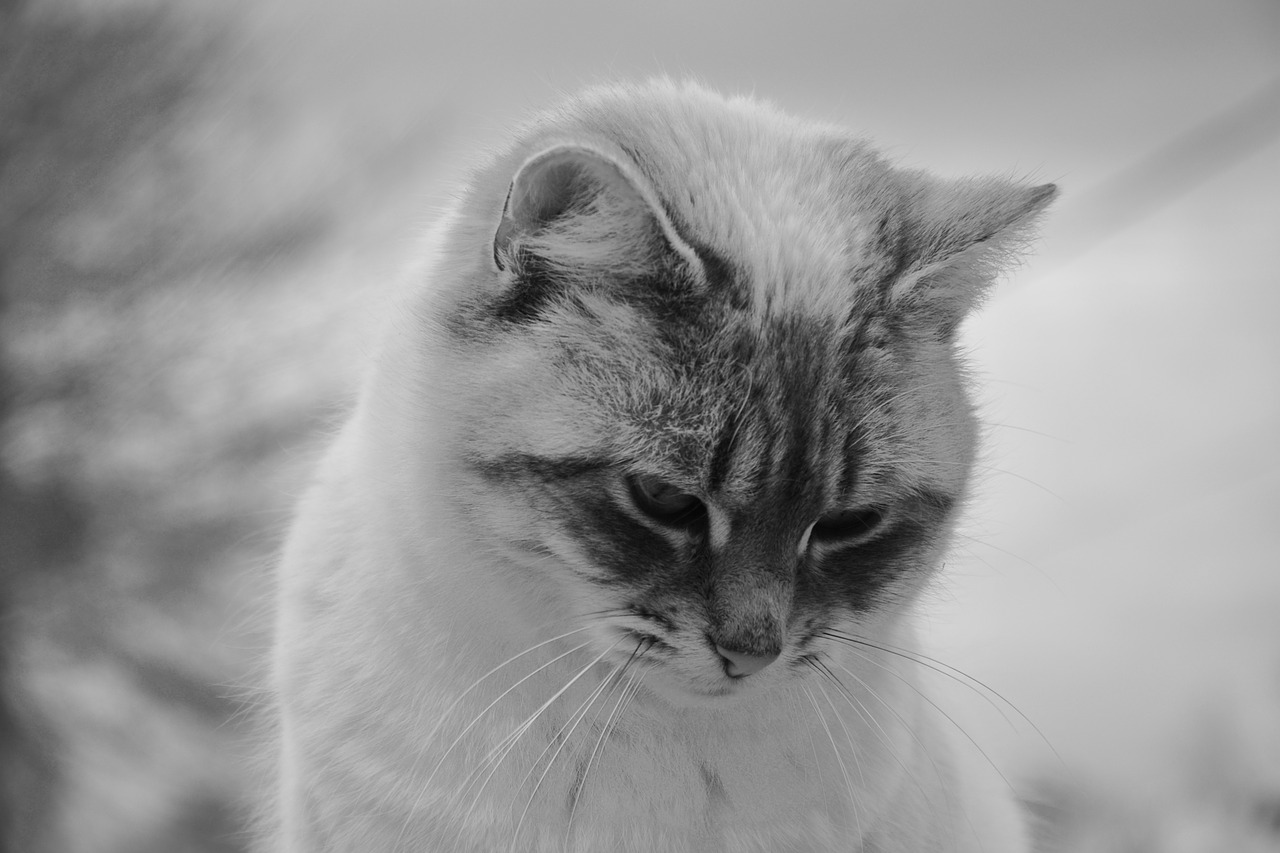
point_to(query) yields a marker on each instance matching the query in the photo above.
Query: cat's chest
(652, 781)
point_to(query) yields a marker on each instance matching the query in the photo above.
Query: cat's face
(720, 452)
(740, 490)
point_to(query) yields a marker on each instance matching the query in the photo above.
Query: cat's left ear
(960, 236)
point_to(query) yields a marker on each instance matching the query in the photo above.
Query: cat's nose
(742, 664)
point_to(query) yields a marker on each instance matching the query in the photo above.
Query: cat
(622, 546)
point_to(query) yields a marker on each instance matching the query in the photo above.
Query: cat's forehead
(735, 408)
(791, 254)
(803, 212)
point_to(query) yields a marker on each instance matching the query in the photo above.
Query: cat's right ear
(574, 213)
(960, 235)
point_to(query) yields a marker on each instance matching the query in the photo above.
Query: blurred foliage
(167, 222)
(79, 99)
(122, 520)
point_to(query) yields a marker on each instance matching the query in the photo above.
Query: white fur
(404, 616)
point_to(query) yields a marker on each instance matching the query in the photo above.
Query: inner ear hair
(582, 211)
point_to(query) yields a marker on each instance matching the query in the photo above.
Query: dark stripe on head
(534, 289)
(724, 280)
(849, 465)
(795, 471)
(722, 454)
(824, 457)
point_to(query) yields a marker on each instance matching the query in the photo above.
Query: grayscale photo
(432, 426)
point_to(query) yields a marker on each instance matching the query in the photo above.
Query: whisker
(1028, 430)
(979, 466)
(985, 544)
(924, 750)
(494, 758)
(444, 715)
(938, 708)
(862, 711)
(563, 739)
(853, 753)
(817, 764)
(623, 700)
(853, 799)
(898, 716)
(959, 673)
(499, 698)
(982, 543)
(956, 675)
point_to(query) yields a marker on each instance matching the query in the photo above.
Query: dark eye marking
(665, 502)
(919, 511)
(524, 466)
(846, 526)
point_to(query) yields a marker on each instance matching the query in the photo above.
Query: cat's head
(702, 371)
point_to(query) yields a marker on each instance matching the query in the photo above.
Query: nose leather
(742, 664)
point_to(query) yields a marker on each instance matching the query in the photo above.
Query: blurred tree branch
(78, 95)
(26, 771)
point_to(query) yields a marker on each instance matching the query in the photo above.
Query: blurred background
(202, 204)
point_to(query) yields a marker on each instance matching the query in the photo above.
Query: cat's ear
(960, 236)
(574, 212)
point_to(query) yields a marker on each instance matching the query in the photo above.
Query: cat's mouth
(658, 659)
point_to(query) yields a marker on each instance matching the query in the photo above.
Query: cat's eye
(847, 526)
(664, 501)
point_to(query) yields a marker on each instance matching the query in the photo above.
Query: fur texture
(622, 544)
